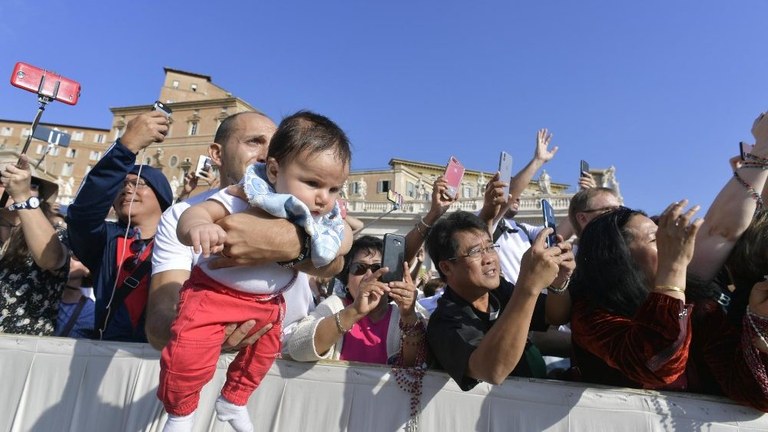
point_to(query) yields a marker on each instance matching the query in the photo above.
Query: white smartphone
(204, 164)
(505, 171)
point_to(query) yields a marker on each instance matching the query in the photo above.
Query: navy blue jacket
(94, 240)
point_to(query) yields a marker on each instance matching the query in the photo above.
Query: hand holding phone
(583, 168)
(204, 164)
(454, 172)
(549, 221)
(505, 171)
(393, 257)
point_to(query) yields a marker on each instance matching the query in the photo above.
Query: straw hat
(48, 190)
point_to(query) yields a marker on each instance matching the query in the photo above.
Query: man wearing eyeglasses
(118, 253)
(479, 330)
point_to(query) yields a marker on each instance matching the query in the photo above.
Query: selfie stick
(43, 99)
(395, 207)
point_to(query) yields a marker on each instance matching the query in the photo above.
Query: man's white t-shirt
(513, 245)
(169, 253)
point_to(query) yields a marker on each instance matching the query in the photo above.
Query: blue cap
(157, 181)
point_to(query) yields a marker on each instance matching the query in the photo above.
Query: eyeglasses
(359, 268)
(601, 209)
(478, 252)
(135, 184)
(137, 249)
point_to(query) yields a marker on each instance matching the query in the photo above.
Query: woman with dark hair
(636, 323)
(630, 323)
(34, 261)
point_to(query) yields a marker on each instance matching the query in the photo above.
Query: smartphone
(45, 83)
(163, 108)
(454, 172)
(583, 168)
(204, 164)
(745, 149)
(505, 171)
(342, 207)
(393, 257)
(549, 221)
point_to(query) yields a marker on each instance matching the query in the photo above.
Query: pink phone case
(454, 172)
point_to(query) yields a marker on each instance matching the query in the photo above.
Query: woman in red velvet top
(632, 325)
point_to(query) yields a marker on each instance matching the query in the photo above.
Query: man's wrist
(306, 248)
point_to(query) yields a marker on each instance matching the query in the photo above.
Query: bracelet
(667, 288)
(561, 290)
(410, 330)
(759, 165)
(422, 233)
(304, 254)
(756, 158)
(427, 226)
(756, 196)
(339, 327)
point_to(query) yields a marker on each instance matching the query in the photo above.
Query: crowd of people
(265, 264)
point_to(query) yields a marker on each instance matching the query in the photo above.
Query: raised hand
(543, 153)
(17, 180)
(370, 292)
(675, 237)
(144, 130)
(403, 293)
(540, 265)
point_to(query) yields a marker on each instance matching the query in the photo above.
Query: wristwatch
(32, 202)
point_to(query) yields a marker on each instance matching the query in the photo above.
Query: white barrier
(56, 384)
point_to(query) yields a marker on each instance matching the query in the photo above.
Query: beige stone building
(199, 106)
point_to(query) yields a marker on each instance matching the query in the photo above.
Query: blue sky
(663, 90)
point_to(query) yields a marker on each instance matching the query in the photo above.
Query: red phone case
(28, 77)
(454, 172)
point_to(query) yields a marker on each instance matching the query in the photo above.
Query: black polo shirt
(456, 328)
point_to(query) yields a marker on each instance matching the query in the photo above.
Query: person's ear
(214, 152)
(272, 169)
(445, 267)
(581, 218)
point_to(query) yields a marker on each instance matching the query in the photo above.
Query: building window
(192, 128)
(6, 131)
(118, 133)
(175, 84)
(40, 148)
(99, 138)
(66, 169)
(88, 169)
(54, 150)
(71, 153)
(77, 136)
(466, 191)
(94, 156)
(410, 189)
(193, 87)
(26, 132)
(382, 186)
(173, 161)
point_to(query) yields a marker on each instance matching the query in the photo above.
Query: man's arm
(501, 348)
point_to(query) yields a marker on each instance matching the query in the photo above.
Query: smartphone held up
(505, 171)
(393, 257)
(454, 172)
(46, 84)
(549, 221)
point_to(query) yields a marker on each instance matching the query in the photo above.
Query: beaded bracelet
(339, 327)
(756, 158)
(756, 196)
(561, 290)
(667, 288)
(759, 165)
(410, 330)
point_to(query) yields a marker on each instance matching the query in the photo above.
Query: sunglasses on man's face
(359, 268)
(137, 249)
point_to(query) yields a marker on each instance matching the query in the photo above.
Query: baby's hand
(207, 238)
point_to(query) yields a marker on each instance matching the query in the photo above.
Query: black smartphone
(393, 257)
(163, 108)
(549, 221)
(583, 168)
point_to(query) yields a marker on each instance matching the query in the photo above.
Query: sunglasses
(359, 269)
(137, 249)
